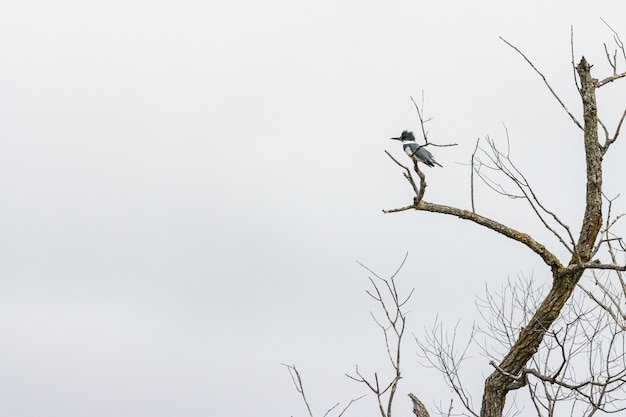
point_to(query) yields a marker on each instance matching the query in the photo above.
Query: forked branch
(385, 292)
(297, 382)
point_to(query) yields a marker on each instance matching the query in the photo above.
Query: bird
(415, 151)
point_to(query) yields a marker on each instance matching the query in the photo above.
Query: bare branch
(472, 175)
(440, 351)
(611, 79)
(420, 115)
(617, 39)
(612, 62)
(297, 382)
(509, 232)
(419, 191)
(610, 141)
(399, 209)
(352, 401)
(573, 61)
(422, 121)
(331, 409)
(386, 294)
(545, 82)
(594, 265)
(504, 164)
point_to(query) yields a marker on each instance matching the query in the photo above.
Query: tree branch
(509, 232)
(545, 82)
(393, 332)
(418, 408)
(297, 382)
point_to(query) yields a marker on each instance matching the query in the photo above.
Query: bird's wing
(423, 154)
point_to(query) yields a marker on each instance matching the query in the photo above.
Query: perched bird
(415, 151)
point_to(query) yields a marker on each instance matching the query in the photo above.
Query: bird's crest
(407, 135)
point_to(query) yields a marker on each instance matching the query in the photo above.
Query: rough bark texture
(509, 232)
(500, 382)
(418, 407)
(593, 156)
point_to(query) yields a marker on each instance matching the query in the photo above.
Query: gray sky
(186, 187)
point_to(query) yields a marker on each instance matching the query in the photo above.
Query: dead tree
(508, 373)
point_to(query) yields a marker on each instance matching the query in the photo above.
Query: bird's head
(406, 136)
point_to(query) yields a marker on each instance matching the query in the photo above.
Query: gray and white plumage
(415, 151)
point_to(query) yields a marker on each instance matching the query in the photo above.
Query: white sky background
(186, 186)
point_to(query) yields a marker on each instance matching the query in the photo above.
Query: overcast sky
(186, 187)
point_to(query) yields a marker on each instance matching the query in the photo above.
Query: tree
(579, 367)
(535, 338)
(594, 240)
(393, 325)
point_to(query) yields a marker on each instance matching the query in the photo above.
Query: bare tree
(585, 249)
(393, 325)
(563, 344)
(392, 320)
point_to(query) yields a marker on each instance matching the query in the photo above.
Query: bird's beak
(396, 138)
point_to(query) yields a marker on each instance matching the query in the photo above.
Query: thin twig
(386, 294)
(297, 381)
(422, 121)
(573, 61)
(546, 83)
(472, 175)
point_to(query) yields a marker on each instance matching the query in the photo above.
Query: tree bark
(502, 379)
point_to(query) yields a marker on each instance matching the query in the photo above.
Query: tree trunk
(502, 380)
